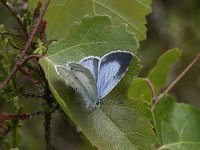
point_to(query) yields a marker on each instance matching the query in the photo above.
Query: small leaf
(62, 14)
(159, 73)
(14, 44)
(140, 89)
(41, 49)
(177, 125)
(4, 30)
(120, 123)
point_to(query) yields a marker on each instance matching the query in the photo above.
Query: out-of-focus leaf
(140, 89)
(159, 73)
(14, 44)
(120, 123)
(177, 125)
(63, 13)
(4, 30)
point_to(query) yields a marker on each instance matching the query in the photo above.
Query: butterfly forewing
(111, 69)
(91, 63)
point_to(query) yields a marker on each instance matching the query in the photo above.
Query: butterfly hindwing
(111, 69)
(91, 63)
(81, 80)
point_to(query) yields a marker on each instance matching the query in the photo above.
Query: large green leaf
(120, 123)
(177, 125)
(63, 13)
(159, 73)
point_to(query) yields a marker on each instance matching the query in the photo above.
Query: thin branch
(9, 31)
(47, 122)
(26, 48)
(5, 132)
(153, 91)
(47, 129)
(31, 95)
(25, 116)
(194, 61)
(15, 13)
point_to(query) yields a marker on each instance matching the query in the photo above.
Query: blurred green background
(173, 23)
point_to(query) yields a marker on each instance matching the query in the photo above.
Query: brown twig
(47, 117)
(15, 13)
(5, 132)
(175, 81)
(152, 88)
(24, 116)
(26, 48)
(28, 74)
(31, 95)
(47, 128)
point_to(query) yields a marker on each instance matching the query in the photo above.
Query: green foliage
(62, 14)
(4, 30)
(140, 89)
(93, 28)
(124, 120)
(159, 73)
(158, 77)
(177, 125)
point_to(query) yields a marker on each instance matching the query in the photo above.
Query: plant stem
(26, 48)
(172, 84)
(152, 88)
(47, 117)
(5, 132)
(47, 129)
(15, 13)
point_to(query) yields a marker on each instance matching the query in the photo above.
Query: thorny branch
(26, 48)
(16, 14)
(47, 117)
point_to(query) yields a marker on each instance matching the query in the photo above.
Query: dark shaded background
(173, 23)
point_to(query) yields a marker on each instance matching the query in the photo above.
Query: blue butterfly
(94, 77)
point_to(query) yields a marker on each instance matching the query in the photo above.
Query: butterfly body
(94, 77)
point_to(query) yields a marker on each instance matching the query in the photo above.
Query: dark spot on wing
(97, 103)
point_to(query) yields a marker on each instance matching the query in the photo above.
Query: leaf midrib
(81, 44)
(118, 15)
(177, 143)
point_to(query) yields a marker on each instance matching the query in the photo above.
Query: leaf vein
(121, 17)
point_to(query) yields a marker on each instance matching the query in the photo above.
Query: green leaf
(62, 14)
(140, 89)
(177, 125)
(120, 123)
(159, 73)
